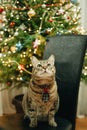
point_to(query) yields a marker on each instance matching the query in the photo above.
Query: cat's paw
(33, 125)
(53, 123)
(25, 116)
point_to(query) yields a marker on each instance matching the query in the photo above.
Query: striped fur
(41, 101)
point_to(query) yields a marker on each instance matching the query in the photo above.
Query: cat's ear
(52, 59)
(34, 61)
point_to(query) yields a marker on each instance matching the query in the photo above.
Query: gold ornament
(31, 13)
(13, 48)
(61, 1)
(1, 38)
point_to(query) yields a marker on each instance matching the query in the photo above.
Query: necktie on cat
(45, 94)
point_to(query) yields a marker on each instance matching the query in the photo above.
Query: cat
(41, 101)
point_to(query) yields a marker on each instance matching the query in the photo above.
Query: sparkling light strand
(19, 65)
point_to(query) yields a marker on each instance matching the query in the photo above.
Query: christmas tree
(24, 28)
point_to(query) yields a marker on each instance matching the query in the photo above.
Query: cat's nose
(44, 67)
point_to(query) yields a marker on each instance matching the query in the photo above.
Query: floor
(81, 123)
(14, 122)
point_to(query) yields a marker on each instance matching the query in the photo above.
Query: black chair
(69, 51)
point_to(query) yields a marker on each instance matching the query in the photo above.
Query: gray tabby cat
(41, 101)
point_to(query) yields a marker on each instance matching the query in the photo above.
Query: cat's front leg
(51, 118)
(33, 122)
(33, 118)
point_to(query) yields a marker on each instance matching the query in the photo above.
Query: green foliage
(24, 27)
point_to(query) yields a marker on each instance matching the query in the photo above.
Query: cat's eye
(39, 65)
(48, 64)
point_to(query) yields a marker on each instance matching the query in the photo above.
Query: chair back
(69, 52)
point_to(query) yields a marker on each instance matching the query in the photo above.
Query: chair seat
(63, 124)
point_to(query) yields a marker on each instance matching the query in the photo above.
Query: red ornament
(51, 20)
(9, 83)
(21, 67)
(12, 24)
(68, 17)
(1, 10)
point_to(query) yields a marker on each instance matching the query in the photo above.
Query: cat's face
(43, 69)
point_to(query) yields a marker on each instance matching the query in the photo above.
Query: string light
(25, 25)
(21, 67)
(35, 7)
